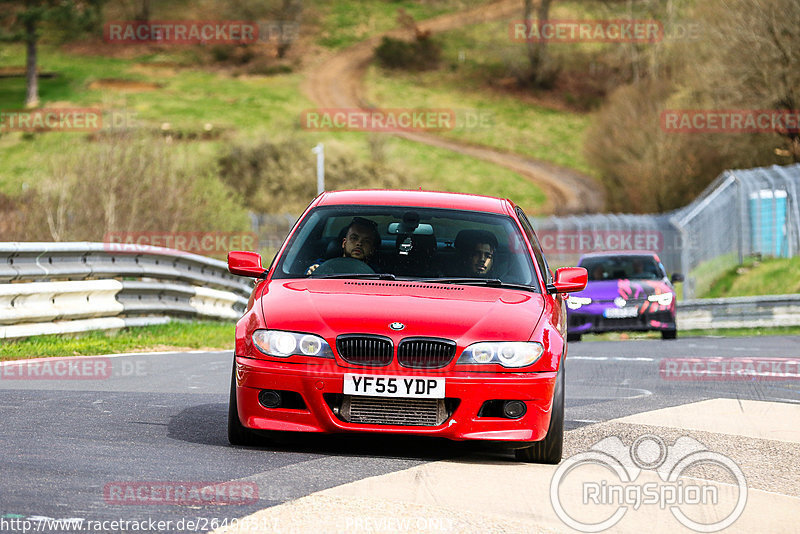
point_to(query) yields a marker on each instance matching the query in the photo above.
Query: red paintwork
(569, 279)
(469, 314)
(245, 263)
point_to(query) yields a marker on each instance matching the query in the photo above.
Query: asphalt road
(162, 417)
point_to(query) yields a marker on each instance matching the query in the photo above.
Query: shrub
(280, 176)
(126, 183)
(421, 54)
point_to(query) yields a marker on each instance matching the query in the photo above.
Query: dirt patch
(124, 85)
(19, 72)
(337, 82)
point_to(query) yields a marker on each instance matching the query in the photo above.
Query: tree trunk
(144, 12)
(537, 50)
(31, 71)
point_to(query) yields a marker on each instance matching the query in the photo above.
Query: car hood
(462, 313)
(627, 289)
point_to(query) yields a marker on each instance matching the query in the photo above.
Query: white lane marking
(614, 358)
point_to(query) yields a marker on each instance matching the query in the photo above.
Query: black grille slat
(365, 349)
(425, 353)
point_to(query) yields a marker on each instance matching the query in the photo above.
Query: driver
(360, 241)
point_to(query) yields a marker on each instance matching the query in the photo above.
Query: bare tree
(751, 59)
(542, 72)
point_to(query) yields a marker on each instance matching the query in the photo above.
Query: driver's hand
(312, 269)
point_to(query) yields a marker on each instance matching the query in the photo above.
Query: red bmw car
(406, 312)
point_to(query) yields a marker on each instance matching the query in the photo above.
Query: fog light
(514, 409)
(269, 398)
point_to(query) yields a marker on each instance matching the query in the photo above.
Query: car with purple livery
(627, 291)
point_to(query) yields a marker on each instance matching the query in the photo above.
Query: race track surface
(162, 417)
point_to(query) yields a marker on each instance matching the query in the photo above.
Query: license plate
(394, 386)
(620, 313)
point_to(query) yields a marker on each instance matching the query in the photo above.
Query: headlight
(511, 354)
(573, 302)
(283, 344)
(664, 299)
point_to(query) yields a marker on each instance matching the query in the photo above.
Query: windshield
(623, 267)
(408, 243)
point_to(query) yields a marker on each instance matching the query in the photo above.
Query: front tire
(238, 434)
(549, 450)
(669, 334)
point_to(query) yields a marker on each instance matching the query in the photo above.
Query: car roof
(621, 253)
(424, 199)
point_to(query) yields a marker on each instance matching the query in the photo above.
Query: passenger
(476, 250)
(361, 241)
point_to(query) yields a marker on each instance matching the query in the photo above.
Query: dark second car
(406, 312)
(627, 291)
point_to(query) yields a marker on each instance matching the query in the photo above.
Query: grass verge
(773, 276)
(172, 336)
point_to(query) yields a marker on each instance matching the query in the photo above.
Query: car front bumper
(467, 392)
(593, 321)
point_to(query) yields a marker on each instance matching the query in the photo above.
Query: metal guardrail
(48, 288)
(739, 312)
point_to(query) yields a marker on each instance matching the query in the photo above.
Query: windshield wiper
(490, 282)
(368, 276)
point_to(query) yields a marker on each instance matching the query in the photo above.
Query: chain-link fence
(742, 213)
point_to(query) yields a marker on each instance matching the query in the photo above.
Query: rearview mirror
(677, 277)
(245, 263)
(397, 228)
(569, 279)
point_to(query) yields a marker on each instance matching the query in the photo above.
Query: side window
(537, 248)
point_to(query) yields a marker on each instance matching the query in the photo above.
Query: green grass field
(512, 125)
(171, 336)
(772, 276)
(189, 101)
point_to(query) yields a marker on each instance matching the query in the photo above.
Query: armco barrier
(739, 312)
(50, 288)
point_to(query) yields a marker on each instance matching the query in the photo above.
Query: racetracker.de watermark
(180, 493)
(586, 31)
(593, 490)
(730, 121)
(203, 243)
(65, 120)
(73, 368)
(584, 241)
(394, 119)
(189, 32)
(729, 369)
(181, 32)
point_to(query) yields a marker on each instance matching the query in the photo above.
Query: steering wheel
(342, 266)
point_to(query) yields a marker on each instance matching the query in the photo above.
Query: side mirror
(245, 263)
(677, 277)
(569, 279)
